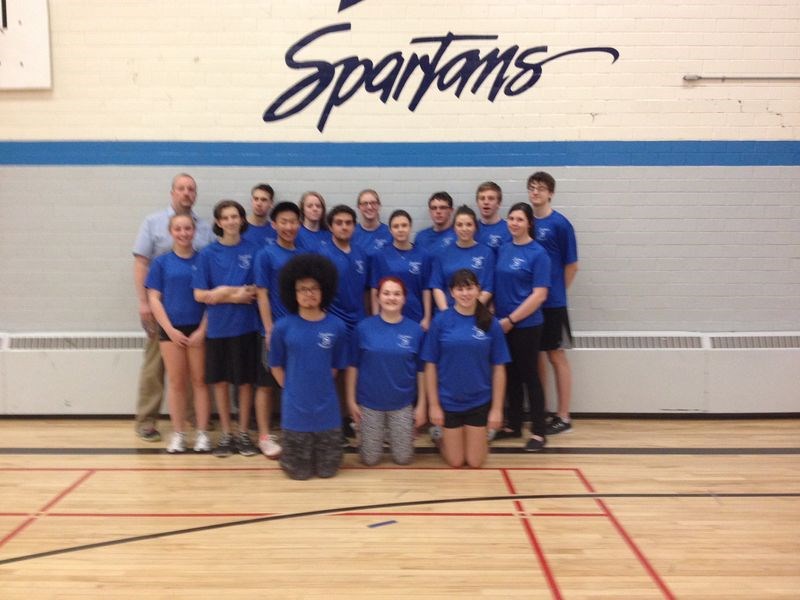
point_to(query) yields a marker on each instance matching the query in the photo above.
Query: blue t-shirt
(269, 262)
(464, 356)
(387, 357)
(218, 265)
(312, 241)
(478, 258)
(413, 267)
(348, 304)
(372, 242)
(556, 234)
(307, 351)
(261, 235)
(431, 241)
(519, 269)
(172, 276)
(494, 235)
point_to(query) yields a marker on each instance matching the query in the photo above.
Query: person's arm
(485, 297)
(227, 294)
(570, 271)
(421, 411)
(279, 374)
(141, 265)
(161, 317)
(435, 412)
(351, 377)
(495, 420)
(427, 310)
(373, 298)
(198, 336)
(529, 306)
(439, 298)
(265, 312)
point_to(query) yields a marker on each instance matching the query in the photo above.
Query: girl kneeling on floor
(465, 354)
(307, 348)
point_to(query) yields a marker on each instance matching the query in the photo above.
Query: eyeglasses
(538, 188)
(368, 203)
(310, 289)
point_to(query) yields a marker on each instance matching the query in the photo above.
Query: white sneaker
(177, 443)
(202, 443)
(269, 446)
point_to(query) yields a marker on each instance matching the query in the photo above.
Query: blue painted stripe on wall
(403, 154)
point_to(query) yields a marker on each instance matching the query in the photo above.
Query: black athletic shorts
(186, 330)
(474, 417)
(232, 359)
(556, 333)
(264, 376)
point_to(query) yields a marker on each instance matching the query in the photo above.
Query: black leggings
(523, 370)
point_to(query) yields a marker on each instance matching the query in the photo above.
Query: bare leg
(563, 375)
(452, 447)
(263, 410)
(543, 367)
(175, 360)
(197, 369)
(476, 446)
(245, 405)
(223, 401)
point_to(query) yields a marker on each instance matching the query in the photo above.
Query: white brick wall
(206, 70)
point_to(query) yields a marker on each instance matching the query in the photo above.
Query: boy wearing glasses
(556, 234)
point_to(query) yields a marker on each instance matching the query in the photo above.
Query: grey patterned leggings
(311, 453)
(375, 424)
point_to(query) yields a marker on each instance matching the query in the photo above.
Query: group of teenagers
(353, 323)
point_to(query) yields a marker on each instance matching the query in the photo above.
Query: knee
(370, 460)
(404, 458)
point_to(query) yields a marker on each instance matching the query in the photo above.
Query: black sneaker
(534, 445)
(505, 434)
(557, 425)
(224, 446)
(244, 445)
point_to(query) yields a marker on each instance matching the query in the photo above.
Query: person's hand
(506, 324)
(436, 415)
(495, 421)
(177, 337)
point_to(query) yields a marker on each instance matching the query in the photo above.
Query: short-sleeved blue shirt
(307, 351)
(172, 276)
(387, 358)
(519, 269)
(464, 356)
(217, 265)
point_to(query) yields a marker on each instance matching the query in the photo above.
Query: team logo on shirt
(446, 242)
(415, 267)
(404, 341)
(325, 340)
(494, 240)
(516, 263)
(245, 260)
(379, 244)
(477, 262)
(542, 232)
(478, 333)
(360, 267)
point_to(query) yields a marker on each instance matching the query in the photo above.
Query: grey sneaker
(202, 443)
(224, 446)
(558, 426)
(149, 434)
(244, 445)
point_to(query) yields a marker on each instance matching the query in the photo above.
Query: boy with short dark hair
(556, 234)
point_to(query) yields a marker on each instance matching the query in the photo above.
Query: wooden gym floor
(706, 509)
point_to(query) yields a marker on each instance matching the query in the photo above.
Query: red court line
(548, 573)
(159, 515)
(637, 552)
(60, 496)
(202, 469)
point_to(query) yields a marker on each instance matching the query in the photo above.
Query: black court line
(388, 505)
(432, 450)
